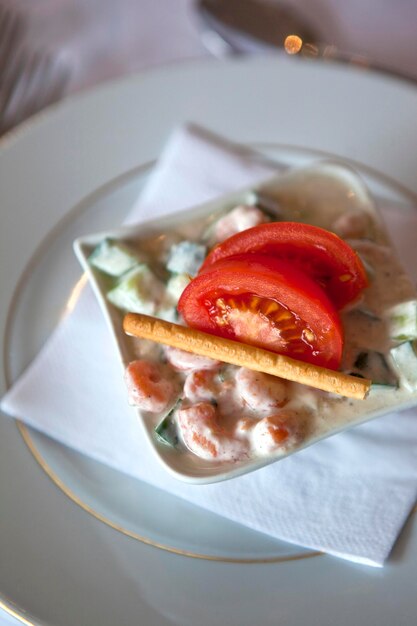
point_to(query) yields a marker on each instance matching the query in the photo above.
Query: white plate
(63, 174)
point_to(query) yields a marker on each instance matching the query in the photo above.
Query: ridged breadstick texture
(236, 353)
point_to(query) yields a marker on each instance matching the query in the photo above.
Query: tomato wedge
(319, 253)
(265, 302)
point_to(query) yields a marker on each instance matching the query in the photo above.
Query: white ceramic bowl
(323, 191)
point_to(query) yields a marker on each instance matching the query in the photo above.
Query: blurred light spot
(293, 44)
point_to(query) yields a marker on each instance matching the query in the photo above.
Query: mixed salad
(335, 297)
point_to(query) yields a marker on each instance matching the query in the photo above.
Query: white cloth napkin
(348, 495)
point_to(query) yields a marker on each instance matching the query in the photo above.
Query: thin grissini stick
(241, 354)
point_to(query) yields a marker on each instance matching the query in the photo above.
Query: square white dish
(322, 192)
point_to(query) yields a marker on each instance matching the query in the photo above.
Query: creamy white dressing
(255, 415)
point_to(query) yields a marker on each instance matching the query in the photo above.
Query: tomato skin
(316, 251)
(249, 278)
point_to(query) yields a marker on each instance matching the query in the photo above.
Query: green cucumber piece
(374, 366)
(113, 258)
(168, 313)
(176, 285)
(221, 375)
(402, 321)
(186, 257)
(404, 358)
(370, 315)
(369, 269)
(137, 291)
(166, 430)
(379, 387)
(167, 309)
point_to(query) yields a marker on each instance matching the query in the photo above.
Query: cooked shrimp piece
(187, 361)
(278, 432)
(203, 435)
(240, 218)
(243, 427)
(261, 392)
(148, 387)
(201, 385)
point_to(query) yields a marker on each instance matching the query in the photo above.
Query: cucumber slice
(138, 291)
(168, 313)
(113, 258)
(404, 357)
(369, 269)
(373, 365)
(402, 321)
(166, 431)
(186, 257)
(174, 288)
(379, 387)
(367, 313)
(176, 285)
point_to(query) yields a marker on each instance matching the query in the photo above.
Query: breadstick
(241, 354)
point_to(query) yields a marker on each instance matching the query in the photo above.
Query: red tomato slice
(265, 302)
(318, 252)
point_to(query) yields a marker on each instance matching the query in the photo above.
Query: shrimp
(261, 392)
(278, 432)
(202, 434)
(187, 361)
(201, 385)
(240, 218)
(148, 388)
(244, 426)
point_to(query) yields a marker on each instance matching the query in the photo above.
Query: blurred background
(52, 48)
